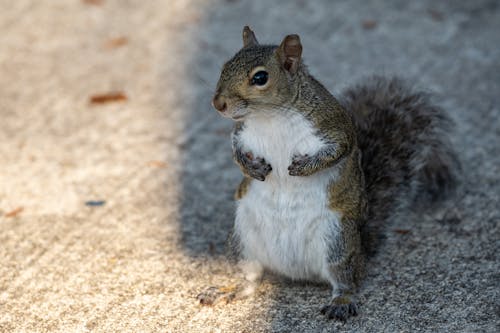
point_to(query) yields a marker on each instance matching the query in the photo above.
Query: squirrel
(320, 171)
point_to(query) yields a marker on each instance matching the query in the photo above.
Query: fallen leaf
(228, 289)
(108, 97)
(157, 164)
(93, 2)
(117, 42)
(14, 212)
(436, 15)
(401, 231)
(369, 24)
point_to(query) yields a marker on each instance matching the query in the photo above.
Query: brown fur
(387, 141)
(242, 188)
(290, 86)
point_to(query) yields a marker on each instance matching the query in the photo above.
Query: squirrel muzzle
(219, 103)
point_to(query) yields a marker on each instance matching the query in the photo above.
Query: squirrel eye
(260, 78)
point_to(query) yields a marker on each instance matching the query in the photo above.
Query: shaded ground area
(159, 158)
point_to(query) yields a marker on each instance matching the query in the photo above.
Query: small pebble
(95, 203)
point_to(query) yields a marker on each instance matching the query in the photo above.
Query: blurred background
(116, 179)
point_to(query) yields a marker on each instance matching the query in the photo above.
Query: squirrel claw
(297, 167)
(340, 309)
(257, 167)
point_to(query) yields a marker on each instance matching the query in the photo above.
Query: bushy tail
(407, 158)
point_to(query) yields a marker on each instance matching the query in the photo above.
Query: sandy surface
(161, 162)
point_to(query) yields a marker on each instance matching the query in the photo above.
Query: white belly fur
(284, 223)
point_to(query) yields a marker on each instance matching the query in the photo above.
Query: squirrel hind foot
(340, 308)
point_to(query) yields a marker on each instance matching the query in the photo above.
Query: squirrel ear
(289, 53)
(249, 37)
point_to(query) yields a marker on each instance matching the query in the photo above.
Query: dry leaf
(369, 24)
(93, 2)
(436, 15)
(157, 164)
(117, 42)
(401, 231)
(14, 212)
(108, 97)
(228, 289)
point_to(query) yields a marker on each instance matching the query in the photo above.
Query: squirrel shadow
(206, 175)
(208, 182)
(209, 176)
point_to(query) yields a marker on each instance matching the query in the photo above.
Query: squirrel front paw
(300, 165)
(340, 308)
(255, 167)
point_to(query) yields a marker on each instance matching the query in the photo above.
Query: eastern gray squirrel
(319, 171)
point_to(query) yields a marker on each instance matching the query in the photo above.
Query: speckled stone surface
(161, 161)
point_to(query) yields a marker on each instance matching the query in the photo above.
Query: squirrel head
(258, 77)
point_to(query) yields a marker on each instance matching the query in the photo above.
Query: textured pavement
(160, 162)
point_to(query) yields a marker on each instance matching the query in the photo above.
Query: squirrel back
(406, 157)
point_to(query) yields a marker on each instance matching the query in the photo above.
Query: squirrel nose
(219, 103)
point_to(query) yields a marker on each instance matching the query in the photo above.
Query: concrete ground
(113, 215)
